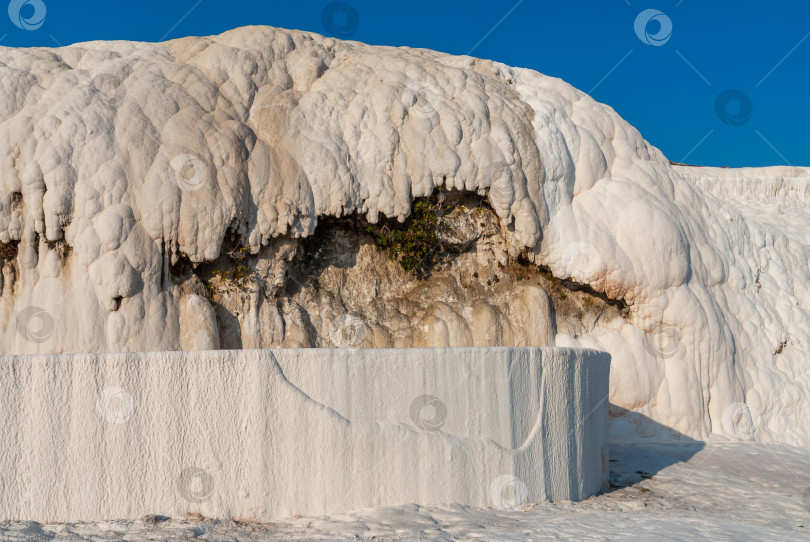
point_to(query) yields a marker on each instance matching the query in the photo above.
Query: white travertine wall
(119, 159)
(263, 434)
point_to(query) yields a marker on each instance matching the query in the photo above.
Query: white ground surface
(721, 491)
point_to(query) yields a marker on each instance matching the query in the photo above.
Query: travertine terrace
(130, 173)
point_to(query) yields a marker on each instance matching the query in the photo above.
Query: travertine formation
(173, 195)
(265, 434)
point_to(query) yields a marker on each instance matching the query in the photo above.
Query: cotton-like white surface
(263, 434)
(721, 492)
(138, 153)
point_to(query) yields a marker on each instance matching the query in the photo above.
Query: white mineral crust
(137, 154)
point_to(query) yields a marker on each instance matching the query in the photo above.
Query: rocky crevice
(339, 288)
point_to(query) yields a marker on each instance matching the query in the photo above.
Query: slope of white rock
(137, 155)
(264, 434)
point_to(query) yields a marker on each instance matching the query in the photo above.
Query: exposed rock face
(336, 289)
(130, 173)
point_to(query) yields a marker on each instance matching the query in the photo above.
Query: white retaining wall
(271, 433)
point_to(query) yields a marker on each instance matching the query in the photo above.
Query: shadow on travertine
(639, 459)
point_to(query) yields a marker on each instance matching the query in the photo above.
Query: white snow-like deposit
(664, 492)
(136, 154)
(264, 434)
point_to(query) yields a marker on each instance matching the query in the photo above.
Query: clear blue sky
(668, 88)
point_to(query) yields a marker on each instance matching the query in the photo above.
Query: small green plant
(238, 253)
(233, 279)
(209, 291)
(415, 243)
